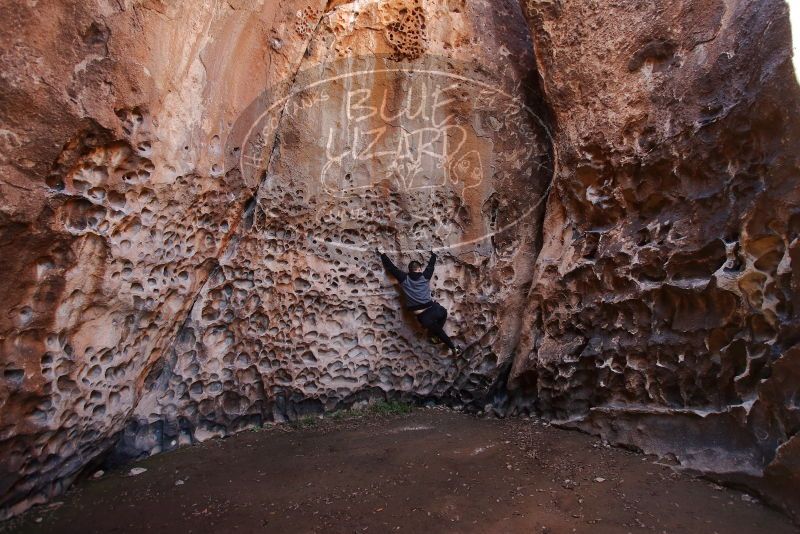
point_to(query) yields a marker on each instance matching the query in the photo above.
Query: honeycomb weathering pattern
(171, 273)
(664, 307)
(163, 292)
(300, 316)
(370, 151)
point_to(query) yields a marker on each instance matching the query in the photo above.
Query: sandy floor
(427, 472)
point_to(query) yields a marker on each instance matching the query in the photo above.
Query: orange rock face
(190, 196)
(114, 210)
(369, 144)
(191, 199)
(663, 310)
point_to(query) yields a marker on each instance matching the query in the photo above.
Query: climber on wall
(416, 286)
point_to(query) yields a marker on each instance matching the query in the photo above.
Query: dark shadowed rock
(663, 311)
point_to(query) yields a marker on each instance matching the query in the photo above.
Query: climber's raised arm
(391, 267)
(428, 272)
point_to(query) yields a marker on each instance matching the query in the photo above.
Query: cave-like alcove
(191, 195)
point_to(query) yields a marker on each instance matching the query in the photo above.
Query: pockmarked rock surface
(664, 307)
(114, 207)
(190, 194)
(375, 144)
(190, 199)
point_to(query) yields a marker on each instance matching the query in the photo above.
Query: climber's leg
(433, 320)
(439, 332)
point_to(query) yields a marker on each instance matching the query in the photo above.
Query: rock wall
(186, 247)
(393, 135)
(190, 194)
(114, 210)
(664, 307)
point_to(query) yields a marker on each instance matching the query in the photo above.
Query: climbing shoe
(435, 340)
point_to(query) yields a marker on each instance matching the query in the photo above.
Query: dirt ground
(429, 471)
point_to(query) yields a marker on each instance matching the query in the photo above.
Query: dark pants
(433, 320)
